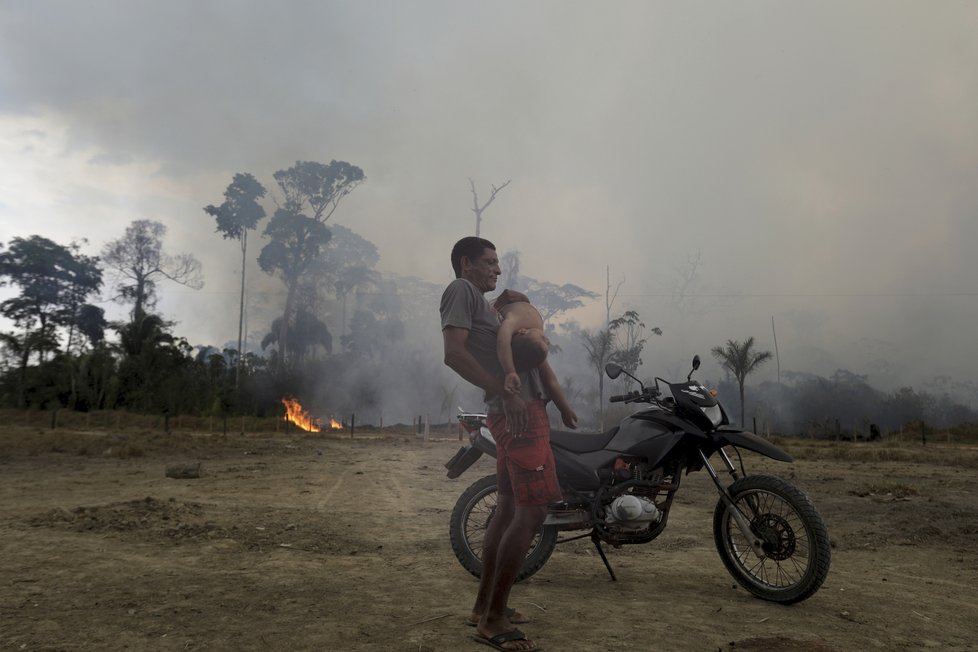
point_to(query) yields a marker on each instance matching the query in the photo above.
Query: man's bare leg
(501, 519)
(509, 557)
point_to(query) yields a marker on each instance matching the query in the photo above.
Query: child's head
(509, 296)
(530, 348)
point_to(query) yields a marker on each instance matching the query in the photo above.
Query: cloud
(821, 156)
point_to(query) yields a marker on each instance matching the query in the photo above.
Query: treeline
(845, 406)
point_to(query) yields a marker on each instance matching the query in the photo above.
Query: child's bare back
(520, 339)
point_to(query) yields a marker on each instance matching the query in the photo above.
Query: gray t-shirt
(464, 306)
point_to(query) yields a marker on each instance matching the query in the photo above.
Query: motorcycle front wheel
(473, 512)
(795, 541)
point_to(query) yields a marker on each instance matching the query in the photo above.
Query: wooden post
(427, 424)
(353, 423)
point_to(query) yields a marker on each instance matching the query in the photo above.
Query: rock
(183, 471)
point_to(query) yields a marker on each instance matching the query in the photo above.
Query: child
(521, 339)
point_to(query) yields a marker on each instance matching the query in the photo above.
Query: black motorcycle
(618, 487)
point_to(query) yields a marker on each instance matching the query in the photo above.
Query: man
(525, 473)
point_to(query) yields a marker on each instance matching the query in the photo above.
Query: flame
(334, 424)
(298, 416)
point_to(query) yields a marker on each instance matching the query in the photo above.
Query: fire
(298, 416)
(334, 424)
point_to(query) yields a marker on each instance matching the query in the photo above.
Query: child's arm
(552, 385)
(504, 350)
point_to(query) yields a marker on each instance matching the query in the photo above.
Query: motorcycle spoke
(781, 529)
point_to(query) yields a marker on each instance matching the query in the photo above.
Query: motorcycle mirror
(696, 362)
(612, 370)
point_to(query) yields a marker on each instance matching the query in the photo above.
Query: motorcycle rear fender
(462, 460)
(750, 441)
(482, 443)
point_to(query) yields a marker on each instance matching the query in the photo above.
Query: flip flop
(510, 612)
(506, 637)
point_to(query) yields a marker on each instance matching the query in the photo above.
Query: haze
(818, 159)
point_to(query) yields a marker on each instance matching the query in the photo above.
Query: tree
(479, 209)
(239, 213)
(305, 333)
(54, 282)
(740, 359)
(139, 262)
(548, 298)
(312, 192)
(599, 348)
(345, 264)
(628, 341)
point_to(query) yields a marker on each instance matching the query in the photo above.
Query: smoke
(818, 157)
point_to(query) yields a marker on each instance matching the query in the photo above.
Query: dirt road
(318, 542)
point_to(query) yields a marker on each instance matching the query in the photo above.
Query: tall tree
(139, 263)
(740, 359)
(312, 192)
(344, 265)
(239, 213)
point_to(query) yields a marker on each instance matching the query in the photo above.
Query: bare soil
(320, 542)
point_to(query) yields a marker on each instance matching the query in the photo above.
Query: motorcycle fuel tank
(650, 434)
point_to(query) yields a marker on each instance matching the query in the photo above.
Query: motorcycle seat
(577, 442)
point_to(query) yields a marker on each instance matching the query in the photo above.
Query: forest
(348, 339)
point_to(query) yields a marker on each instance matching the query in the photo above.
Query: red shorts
(525, 465)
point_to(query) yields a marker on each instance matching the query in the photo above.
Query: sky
(816, 161)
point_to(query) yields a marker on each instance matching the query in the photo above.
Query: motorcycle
(618, 487)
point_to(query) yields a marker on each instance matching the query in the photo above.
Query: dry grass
(959, 455)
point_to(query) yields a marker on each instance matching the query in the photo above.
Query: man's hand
(512, 383)
(514, 408)
(569, 418)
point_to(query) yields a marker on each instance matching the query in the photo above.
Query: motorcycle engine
(631, 512)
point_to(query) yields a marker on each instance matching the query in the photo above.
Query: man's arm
(465, 365)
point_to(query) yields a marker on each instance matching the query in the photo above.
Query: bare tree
(479, 209)
(139, 262)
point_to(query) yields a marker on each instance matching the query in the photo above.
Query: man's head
(530, 348)
(475, 259)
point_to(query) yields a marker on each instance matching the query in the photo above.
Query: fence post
(353, 423)
(427, 424)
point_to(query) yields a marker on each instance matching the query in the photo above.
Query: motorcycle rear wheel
(473, 511)
(795, 540)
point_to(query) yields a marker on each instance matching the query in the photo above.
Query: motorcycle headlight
(714, 414)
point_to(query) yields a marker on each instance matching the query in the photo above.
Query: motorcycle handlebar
(648, 393)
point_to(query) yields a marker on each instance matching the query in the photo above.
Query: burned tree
(478, 210)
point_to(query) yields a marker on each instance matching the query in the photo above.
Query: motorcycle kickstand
(597, 544)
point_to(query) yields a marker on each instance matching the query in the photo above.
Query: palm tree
(740, 359)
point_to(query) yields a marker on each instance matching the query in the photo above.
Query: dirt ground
(320, 542)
